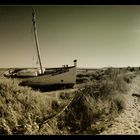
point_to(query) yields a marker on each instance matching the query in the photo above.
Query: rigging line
(34, 57)
(33, 53)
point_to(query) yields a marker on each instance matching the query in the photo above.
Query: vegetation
(96, 104)
(21, 109)
(86, 111)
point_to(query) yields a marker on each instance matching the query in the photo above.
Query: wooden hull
(66, 78)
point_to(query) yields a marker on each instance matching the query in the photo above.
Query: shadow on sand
(46, 88)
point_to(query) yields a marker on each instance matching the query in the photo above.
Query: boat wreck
(45, 78)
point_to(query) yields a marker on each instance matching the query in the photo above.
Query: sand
(128, 122)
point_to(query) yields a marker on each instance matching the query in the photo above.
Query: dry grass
(21, 109)
(95, 105)
(24, 111)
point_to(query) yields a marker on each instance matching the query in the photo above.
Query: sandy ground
(128, 122)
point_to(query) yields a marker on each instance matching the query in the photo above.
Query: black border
(69, 2)
(69, 137)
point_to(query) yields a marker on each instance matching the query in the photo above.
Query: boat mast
(36, 39)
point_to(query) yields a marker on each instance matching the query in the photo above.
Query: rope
(33, 57)
(61, 111)
(35, 60)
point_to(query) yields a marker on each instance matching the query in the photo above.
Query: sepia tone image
(70, 70)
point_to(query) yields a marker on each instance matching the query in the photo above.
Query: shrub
(21, 109)
(94, 103)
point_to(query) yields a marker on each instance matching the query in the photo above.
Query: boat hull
(63, 79)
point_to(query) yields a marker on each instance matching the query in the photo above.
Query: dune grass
(21, 109)
(96, 104)
(92, 107)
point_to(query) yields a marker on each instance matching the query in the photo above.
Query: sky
(97, 35)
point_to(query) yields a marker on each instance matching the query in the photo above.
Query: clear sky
(97, 36)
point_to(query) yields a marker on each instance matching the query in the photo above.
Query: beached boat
(45, 77)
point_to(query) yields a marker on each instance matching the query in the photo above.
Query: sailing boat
(45, 77)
